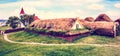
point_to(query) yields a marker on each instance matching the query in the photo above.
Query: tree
(13, 21)
(27, 19)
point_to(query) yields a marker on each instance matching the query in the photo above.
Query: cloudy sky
(48, 9)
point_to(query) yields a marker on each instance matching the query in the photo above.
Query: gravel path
(100, 45)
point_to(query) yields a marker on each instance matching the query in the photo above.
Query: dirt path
(100, 45)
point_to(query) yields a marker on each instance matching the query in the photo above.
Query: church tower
(22, 12)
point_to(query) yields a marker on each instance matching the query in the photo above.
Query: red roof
(22, 11)
(36, 18)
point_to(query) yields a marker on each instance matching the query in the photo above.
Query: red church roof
(22, 11)
(36, 18)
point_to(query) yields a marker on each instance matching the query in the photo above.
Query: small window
(77, 26)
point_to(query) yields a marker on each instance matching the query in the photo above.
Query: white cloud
(36, 3)
(92, 1)
(75, 2)
(42, 3)
(4, 14)
(81, 1)
(117, 5)
(13, 9)
(47, 14)
(95, 7)
(76, 8)
(52, 15)
(42, 14)
(113, 13)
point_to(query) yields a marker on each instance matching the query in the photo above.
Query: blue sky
(48, 9)
(7, 1)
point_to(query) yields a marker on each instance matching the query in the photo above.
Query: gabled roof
(100, 24)
(57, 24)
(103, 17)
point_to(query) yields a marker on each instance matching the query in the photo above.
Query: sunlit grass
(9, 49)
(3, 28)
(96, 39)
(30, 37)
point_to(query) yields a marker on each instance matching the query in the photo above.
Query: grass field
(3, 28)
(95, 39)
(30, 37)
(8, 49)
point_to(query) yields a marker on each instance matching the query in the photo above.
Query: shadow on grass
(5, 52)
(69, 51)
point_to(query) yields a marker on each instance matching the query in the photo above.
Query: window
(77, 26)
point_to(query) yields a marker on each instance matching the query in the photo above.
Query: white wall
(80, 26)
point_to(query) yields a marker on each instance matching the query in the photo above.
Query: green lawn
(3, 28)
(30, 37)
(8, 49)
(95, 39)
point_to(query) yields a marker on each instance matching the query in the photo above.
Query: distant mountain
(2, 20)
(103, 17)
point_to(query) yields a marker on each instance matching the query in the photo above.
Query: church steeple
(22, 11)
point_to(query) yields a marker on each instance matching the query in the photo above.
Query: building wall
(74, 25)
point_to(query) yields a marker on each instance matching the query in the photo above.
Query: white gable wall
(80, 26)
